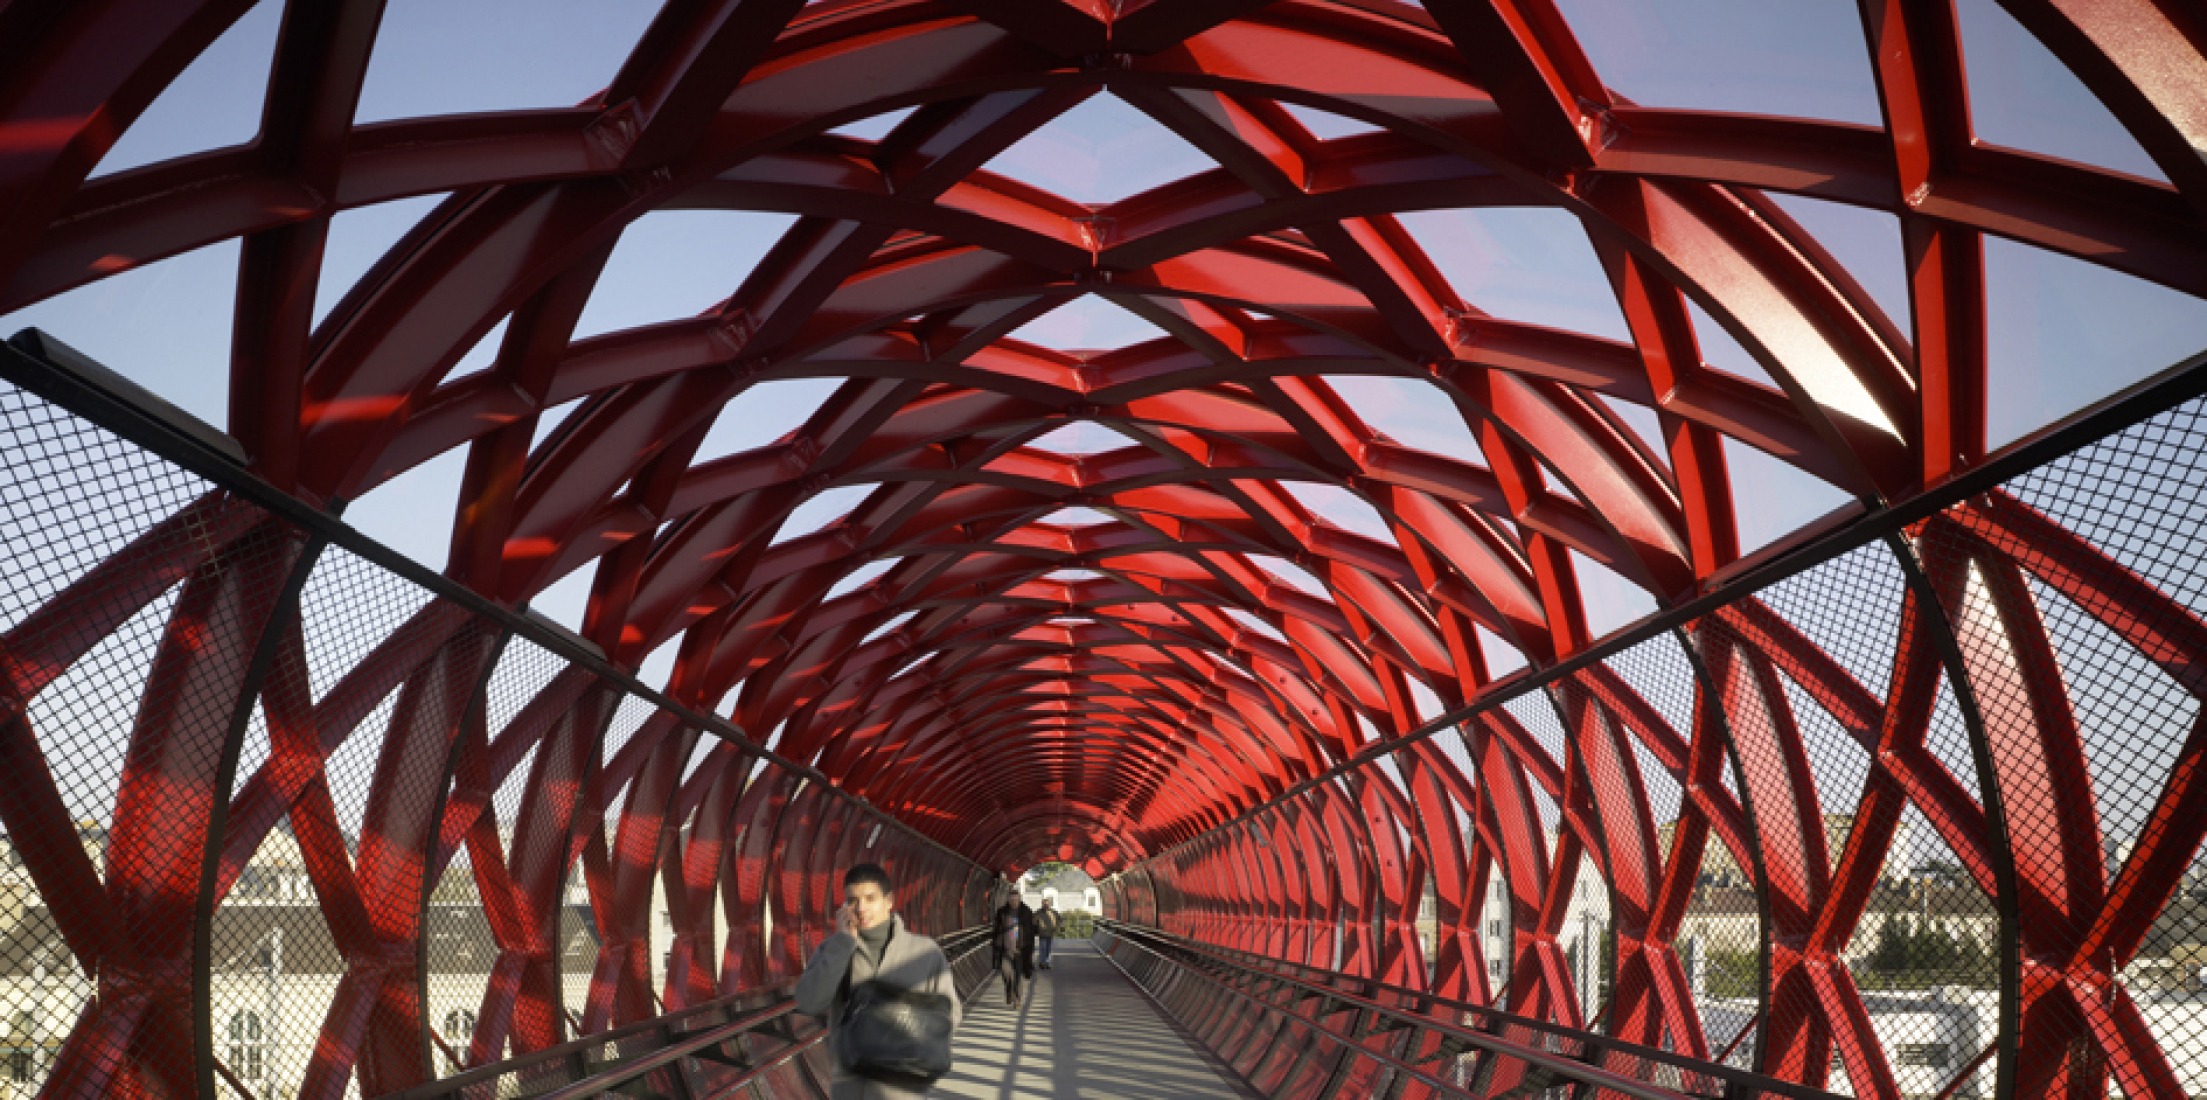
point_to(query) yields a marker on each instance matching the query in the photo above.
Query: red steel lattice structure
(1206, 735)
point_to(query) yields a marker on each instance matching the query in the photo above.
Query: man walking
(1011, 937)
(870, 944)
(1046, 930)
(1027, 940)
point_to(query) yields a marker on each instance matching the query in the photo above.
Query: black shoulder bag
(891, 1033)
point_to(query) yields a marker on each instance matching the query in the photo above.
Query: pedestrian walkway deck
(1083, 1031)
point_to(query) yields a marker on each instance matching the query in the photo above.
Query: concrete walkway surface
(1082, 1031)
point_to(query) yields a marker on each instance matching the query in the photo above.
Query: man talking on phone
(883, 990)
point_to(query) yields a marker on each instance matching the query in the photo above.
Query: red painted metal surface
(1124, 716)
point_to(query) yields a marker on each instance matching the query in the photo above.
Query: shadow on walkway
(1083, 1031)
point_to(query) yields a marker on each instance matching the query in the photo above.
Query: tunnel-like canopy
(1107, 518)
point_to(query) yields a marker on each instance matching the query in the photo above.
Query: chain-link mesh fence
(217, 724)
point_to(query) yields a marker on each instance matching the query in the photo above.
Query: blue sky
(2063, 333)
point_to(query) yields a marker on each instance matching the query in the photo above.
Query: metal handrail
(1495, 1017)
(956, 946)
(1563, 1064)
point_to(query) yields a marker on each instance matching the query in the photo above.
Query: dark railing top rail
(1562, 1065)
(476, 1075)
(1593, 1041)
(642, 1064)
(956, 945)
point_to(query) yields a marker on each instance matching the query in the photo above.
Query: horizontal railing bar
(1499, 1018)
(963, 941)
(476, 1075)
(1564, 1066)
(642, 1064)
(787, 1052)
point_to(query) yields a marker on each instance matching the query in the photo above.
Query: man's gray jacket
(909, 960)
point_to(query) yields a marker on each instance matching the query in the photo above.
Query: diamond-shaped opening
(762, 414)
(351, 769)
(163, 325)
(1414, 413)
(84, 717)
(1087, 323)
(483, 355)
(433, 58)
(898, 620)
(1077, 517)
(1641, 421)
(1080, 437)
(1325, 125)
(706, 743)
(565, 600)
(1838, 764)
(524, 669)
(1502, 658)
(1255, 622)
(1611, 601)
(1866, 242)
(1772, 498)
(1719, 351)
(214, 103)
(819, 510)
(413, 513)
(1340, 507)
(1290, 573)
(657, 667)
(349, 607)
(2062, 334)
(628, 718)
(874, 127)
(1071, 576)
(1100, 152)
(1428, 704)
(1807, 61)
(1658, 672)
(1521, 263)
(550, 419)
(614, 807)
(2023, 97)
(357, 239)
(672, 264)
(858, 577)
(2132, 718)
(1850, 607)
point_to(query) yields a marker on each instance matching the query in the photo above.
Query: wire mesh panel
(130, 661)
(164, 644)
(2075, 592)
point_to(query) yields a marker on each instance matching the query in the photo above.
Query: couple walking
(1019, 931)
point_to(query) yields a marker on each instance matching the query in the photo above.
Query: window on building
(22, 1056)
(1932, 1055)
(459, 1026)
(248, 1052)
